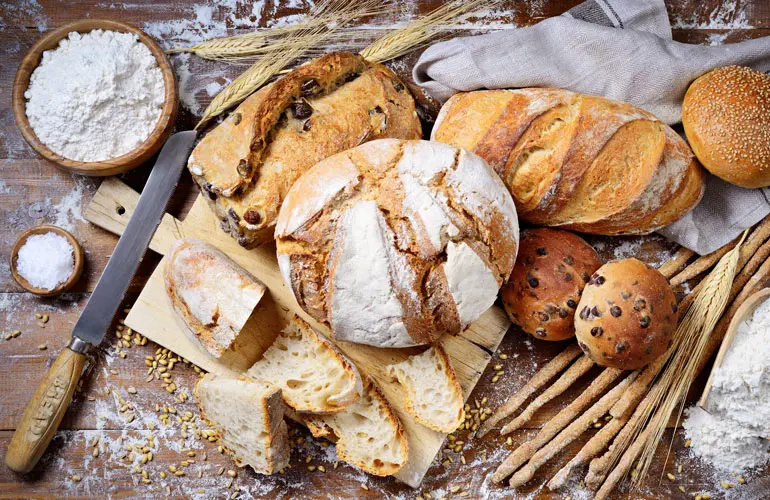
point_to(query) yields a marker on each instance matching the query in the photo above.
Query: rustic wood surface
(33, 191)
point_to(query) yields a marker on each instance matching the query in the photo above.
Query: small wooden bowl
(742, 314)
(77, 271)
(114, 165)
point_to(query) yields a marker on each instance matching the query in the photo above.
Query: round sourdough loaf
(395, 243)
(726, 116)
(626, 316)
(544, 289)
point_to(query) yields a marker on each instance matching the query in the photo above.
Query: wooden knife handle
(45, 412)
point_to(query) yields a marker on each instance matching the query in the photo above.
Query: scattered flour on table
(69, 210)
(729, 14)
(731, 433)
(12, 13)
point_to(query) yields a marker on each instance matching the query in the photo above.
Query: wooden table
(33, 191)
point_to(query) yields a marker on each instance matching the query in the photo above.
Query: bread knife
(44, 413)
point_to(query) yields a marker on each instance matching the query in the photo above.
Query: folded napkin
(620, 49)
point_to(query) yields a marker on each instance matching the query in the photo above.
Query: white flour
(96, 96)
(730, 434)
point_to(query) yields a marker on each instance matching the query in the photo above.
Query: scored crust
(564, 157)
(246, 165)
(433, 225)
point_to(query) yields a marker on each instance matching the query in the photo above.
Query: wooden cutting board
(151, 315)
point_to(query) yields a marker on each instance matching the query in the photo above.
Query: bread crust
(547, 281)
(580, 162)
(246, 166)
(276, 439)
(331, 427)
(626, 316)
(452, 401)
(347, 371)
(187, 269)
(726, 116)
(416, 212)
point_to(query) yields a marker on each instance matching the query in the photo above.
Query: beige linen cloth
(620, 49)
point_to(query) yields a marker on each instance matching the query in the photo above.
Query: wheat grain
(421, 31)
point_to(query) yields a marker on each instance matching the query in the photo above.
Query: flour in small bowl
(96, 96)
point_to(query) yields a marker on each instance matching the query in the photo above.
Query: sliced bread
(212, 296)
(313, 374)
(247, 417)
(433, 394)
(368, 434)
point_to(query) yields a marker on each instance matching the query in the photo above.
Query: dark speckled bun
(544, 289)
(626, 315)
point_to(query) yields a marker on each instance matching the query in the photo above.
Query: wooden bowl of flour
(118, 164)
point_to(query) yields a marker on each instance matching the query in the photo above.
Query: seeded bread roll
(726, 116)
(395, 243)
(544, 289)
(577, 161)
(627, 315)
(246, 165)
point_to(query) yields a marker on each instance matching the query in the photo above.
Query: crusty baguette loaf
(245, 166)
(433, 393)
(581, 162)
(212, 296)
(368, 434)
(247, 416)
(313, 374)
(395, 243)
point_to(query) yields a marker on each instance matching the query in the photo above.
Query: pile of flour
(96, 96)
(731, 434)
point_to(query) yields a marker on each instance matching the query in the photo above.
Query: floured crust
(581, 162)
(212, 296)
(396, 243)
(363, 431)
(247, 164)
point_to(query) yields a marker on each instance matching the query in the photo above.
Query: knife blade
(108, 294)
(46, 410)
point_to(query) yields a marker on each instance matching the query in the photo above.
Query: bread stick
(556, 424)
(574, 372)
(572, 432)
(680, 258)
(549, 371)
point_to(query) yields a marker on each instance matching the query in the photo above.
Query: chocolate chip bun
(544, 289)
(626, 315)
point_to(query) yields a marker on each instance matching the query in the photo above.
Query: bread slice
(433, 394)
(368, 434)
(247, 417)
(313, 374)
(212, 295)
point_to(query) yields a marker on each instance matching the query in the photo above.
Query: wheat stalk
(292, 46)
(670, 390)
(421, 31)
(327, 15)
